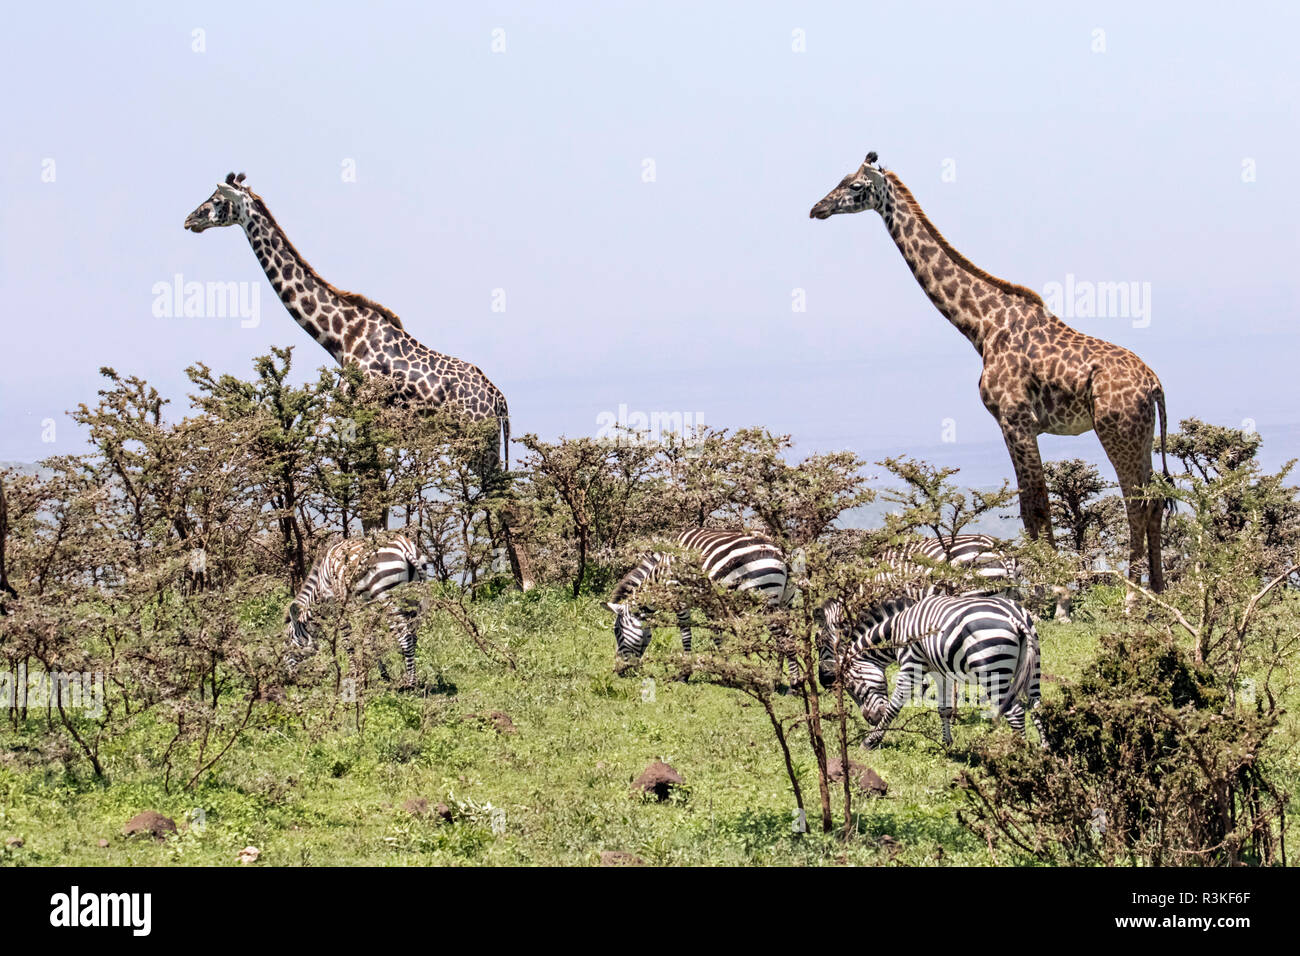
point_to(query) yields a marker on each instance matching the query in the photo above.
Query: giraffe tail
(1171, 504)
(505, 437)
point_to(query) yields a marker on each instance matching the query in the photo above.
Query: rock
(103, 843)
(871, 782)
(443, 812)
(249, 854)
(149, 822)
(658, 778)
(14, 842)
(620, 858)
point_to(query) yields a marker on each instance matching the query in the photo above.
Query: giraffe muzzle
(820, 211)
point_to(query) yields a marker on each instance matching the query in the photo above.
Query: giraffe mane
(351, 298)
(1009, 287)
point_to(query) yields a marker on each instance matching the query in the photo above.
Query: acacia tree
(6, 589)
(278, 421)
(1081, 509)
(590, 494)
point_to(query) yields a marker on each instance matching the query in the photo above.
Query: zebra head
(631, 636)
(830, 622)
(296, 635)
(868, 688)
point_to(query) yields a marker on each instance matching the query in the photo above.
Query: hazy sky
(1153, 144)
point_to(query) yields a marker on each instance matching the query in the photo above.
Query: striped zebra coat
(733, 559)
(988, 644)
(987, 570)
(362, 569)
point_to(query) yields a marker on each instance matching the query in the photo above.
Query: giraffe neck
(336, 320)
(974, 301)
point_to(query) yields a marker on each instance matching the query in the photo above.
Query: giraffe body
(1040, 376)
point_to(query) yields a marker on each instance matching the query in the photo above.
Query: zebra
(907, 566)
(734, 559)
(368, 569)
(986, 641)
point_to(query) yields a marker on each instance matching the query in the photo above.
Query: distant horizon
(608, 207)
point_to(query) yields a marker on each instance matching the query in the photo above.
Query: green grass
(563, 781)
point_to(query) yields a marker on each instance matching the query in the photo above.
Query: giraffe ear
(230, 192)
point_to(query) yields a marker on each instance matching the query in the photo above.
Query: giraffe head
(227, 206)
(864, 188)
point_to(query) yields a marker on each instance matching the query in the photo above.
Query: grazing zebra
(368, 569)
(988, 642)
(734, 559)
(910, 563)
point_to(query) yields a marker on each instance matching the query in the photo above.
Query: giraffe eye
(858, 187)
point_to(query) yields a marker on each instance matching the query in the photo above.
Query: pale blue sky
(522, 171)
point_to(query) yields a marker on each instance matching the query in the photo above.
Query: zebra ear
(292, 611)
(614, 608)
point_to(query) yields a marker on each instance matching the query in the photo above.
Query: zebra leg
(945, 692)
(684, 625)
(404, 623)
(1016, 717)
(379, 658)
(408, 637)
(902, 690)
(1038, 723)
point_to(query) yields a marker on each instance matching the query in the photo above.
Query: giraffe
(355, 329)
(1040, 376)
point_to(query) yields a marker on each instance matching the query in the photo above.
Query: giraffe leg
(1133, 472)
(1035, 511)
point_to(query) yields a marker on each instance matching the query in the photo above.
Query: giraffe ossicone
(1040, 376)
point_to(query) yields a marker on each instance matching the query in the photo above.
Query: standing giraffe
(1040, 375)
(353, 328)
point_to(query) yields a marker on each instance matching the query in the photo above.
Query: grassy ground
(557, 791)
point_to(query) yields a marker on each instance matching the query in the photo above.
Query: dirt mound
(620, 858)
(419, 807)
(498, 719)
(150, 822)
(868, 780)
(871, 782)
(658, 779)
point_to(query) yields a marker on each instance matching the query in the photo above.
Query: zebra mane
(883, 612)
(645, 569)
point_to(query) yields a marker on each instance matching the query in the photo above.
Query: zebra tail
(1025, 667)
